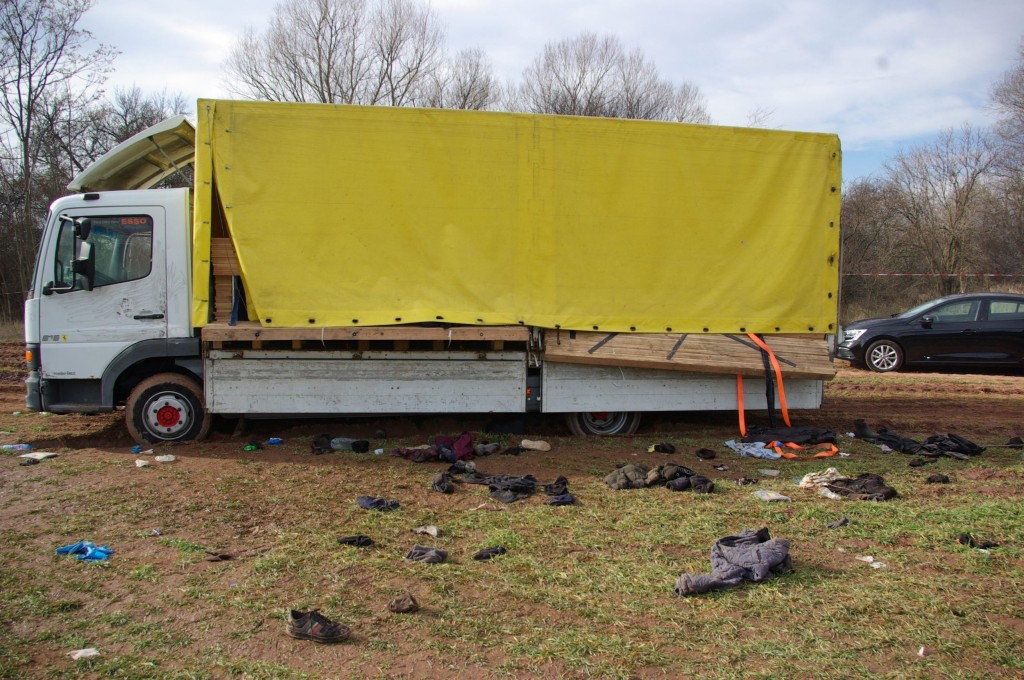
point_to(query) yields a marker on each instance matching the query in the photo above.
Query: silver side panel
(578, 387)
(311, 383)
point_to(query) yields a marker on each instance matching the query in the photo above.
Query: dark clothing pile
(371, 503)
(512, 488)
(675, 477)
(951, 445)
(752, 555)
(804, 436)
(448, 449)
(866, 487)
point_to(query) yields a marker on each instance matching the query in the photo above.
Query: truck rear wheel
(167, 407)
(596, 423)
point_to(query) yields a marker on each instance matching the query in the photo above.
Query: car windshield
(915, 311)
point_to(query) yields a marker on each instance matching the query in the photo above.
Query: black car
(973, 330)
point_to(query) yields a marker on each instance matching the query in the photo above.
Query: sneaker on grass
(313, 625)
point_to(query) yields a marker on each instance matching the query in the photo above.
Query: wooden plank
(248, 331)
(223, 258)
(799, 356)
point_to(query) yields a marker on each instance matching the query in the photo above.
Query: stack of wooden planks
(799, 356)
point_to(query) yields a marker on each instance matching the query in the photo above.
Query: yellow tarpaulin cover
(346, 215)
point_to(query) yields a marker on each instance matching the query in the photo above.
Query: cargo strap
(780, 448)
(778, 376)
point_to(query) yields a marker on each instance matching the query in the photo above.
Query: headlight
(853, 335)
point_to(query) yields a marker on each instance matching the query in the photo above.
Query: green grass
(584, 591)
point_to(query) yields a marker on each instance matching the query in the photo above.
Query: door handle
(148, 316)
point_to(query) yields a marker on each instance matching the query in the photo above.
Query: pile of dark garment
(670, 475)
(509, 488)
(937, 445)
(453, 449)
(751, 555)
(804, 436)
(866, 487)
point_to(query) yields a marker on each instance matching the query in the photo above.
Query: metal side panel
(578, 387)
(335, 385)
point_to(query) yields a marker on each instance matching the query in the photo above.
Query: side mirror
(83, 227)
(85, 264)
(927, 321)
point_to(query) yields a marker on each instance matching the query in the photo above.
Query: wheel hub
(168, 415)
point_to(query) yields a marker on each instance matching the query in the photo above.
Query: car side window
(956, 312)
(1005, 310)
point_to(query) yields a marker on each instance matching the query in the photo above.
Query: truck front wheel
(603, 423)
(167, 407)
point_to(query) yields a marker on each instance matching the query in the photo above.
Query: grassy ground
(12, 332)
(584, 591)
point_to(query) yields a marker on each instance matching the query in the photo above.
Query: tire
(595, 424)
(884, 356)
(167, 407)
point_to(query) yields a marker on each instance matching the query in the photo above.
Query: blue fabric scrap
(86, 550)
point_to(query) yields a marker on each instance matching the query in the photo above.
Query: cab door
(82, 330)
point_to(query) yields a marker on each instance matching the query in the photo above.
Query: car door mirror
(927, 321)
(85, 265)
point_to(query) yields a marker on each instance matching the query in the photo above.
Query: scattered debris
(753, 450)
(489, 553)
(771, 496)
(539, 445)
(166, 458)
(86, 653)
(743, 481)
(275, 441)
(937, 478)
(16, 447)
(142, 463)
(423, 553)
(769, 473)
(371, 503)
(406, 604)
(721, 468)
(214, 556)
(87, 551)
(705, 454)
(314, 626)
(841, 522)
(971, 542)
(751, 555)
(870, 560)
(924, 651)
(429, 530)
(358, 541)
(664, 447)
(489, 506)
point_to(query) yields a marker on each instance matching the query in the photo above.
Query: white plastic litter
(142, 463)
(167, 458)
(38, 455)
(769, 473)
(770, 496)
(429, 530)
(86, 653)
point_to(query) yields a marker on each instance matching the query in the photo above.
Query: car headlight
(853, 335)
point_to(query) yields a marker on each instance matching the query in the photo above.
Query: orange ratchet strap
(778, 375)
(779, 446)
(739, 405)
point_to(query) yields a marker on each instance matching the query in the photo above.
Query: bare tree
(595, 76)
(1008, 98)
(936, 193)
(339, 52)
(45, 58)
(465, 81)
(760, 116)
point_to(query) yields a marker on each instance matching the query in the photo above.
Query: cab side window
(1003, 310)
(62, 274)
(123, 245)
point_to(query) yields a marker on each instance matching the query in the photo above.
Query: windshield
(915, 311)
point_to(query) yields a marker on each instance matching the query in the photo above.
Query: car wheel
(884, 356)
(603, 423)
(167, 407)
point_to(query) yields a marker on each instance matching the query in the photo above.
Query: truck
(338, 260)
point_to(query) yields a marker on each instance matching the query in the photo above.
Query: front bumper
(33, 392)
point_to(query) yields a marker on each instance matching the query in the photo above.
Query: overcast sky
(883, 74)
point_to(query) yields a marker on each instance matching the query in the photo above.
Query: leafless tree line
(953, 206)
(951, 210)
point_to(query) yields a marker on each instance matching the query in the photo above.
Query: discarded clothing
(771, 496)
(803, 436)
(561, 499)
(918, 462)
(751, 555)
(427, 529)
(86, 551)
(486, 449)
(705, 454)
(661, 448)
(971, 542)
(512, 451)
(937, 478)
(699, 484)
(442, 482)
(423, 553)
(505, 488)
(358, 541)
(816, 480)
(841, 522)
(557, 487)
(866, 487)
(489, 553)
(371, 503)
(461, 467)
(628, 477)
(418, 454)
(406, 604)
(666, 473)
(950, 444)
(753, 450)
